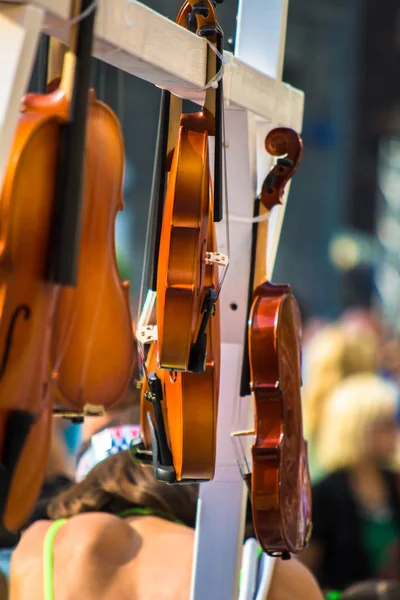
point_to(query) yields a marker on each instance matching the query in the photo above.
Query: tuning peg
(207, 30)
(201, 9)
(192, 22)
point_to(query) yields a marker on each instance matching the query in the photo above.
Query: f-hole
(24, 310)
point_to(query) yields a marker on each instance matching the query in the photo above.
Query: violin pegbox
(285, 143)
(198, 16)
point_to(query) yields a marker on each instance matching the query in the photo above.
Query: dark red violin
(280, 481)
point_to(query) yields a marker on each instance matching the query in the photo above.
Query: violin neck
(219, 137)
(157, 196)
(260, 257)
(245, 376)
(55, 62)
(67, 217)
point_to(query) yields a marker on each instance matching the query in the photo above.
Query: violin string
(249, 220)
(85, 13)
(213, 82)
(225, 196)
(74, 20)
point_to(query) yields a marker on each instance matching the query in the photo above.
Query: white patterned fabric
(103, 444)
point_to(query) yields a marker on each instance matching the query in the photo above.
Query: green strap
(48, 559)
(48, 555)
(147, 511)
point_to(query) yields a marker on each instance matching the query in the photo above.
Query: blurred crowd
(351, 418)
(351, 377)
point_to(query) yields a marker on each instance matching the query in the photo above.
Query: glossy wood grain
(93, 347)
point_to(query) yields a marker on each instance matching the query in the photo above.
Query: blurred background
(343, 219)
(342, 226)
(342, 223)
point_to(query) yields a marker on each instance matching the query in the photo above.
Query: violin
(39, 172)
(280, 480)
(93, 346)
(179, 409)
(191, 399)
(184, 305)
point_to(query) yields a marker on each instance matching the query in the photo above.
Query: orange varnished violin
(179, 410)
(39, 173)
(280, 482)
(92, 351)
(183, 303)
(191, 399)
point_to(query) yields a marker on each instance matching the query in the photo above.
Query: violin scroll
(286, 143)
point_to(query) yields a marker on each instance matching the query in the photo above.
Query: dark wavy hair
(117, 484)
(373, 590)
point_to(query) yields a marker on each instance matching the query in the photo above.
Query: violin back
(281, 491)
(26, 300)
(92, 353)
(192, 399)
(27, 304)
(181, 264)
(28, 477)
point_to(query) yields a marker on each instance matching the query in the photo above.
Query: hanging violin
(183, 304)
(45, 164)
(280, 481)
(179, 409)
(93, 347)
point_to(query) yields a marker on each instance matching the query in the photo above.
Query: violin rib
(192, 399)
(183, 250)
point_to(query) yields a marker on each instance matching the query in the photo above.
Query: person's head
(332, 354)
(359, 423)
(373, 590)
(117, 484)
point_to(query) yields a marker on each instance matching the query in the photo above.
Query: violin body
(183, 241)
(192, 400)
(28, 303)
(188, 404)
(92, 350)
(29, 474)
(281, 490)
(181, 266)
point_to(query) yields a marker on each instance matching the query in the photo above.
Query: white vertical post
(260, 42)
(261, 35)
(19, 36)
(220, 523)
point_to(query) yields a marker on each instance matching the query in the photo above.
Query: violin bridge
(216, 258)
(147, 334)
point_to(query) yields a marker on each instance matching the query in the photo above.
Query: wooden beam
(138, 40)
(19, 36)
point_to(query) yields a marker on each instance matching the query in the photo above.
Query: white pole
(260, 42)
